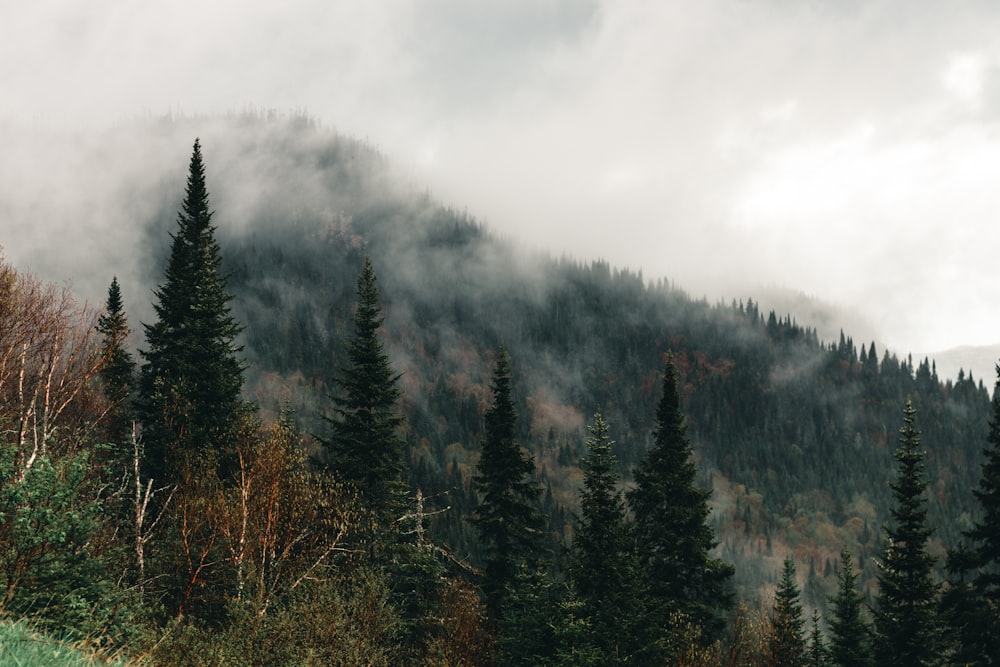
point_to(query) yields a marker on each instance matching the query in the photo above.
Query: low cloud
(844, 149)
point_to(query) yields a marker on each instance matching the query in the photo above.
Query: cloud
(841, 148)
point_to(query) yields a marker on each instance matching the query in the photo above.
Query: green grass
(20, 646)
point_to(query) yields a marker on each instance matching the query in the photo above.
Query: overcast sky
(850, 150)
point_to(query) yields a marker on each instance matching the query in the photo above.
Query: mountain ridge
(793, 433)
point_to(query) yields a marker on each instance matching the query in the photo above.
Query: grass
(20, 646)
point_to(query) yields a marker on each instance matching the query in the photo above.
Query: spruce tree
(599, 541)
(849, 645)
(670, 515)
(906, 628)
(117, 370)
(507, 514)
(364, 448)
(972, 602)
(787, 644)
(189, 391)
(816, 653)
(604, 568)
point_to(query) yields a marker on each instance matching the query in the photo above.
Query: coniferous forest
(356, 427)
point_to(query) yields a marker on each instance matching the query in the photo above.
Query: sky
(846, 150)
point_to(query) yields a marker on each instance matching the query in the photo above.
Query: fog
(843, 150)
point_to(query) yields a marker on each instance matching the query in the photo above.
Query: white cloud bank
(845, 149)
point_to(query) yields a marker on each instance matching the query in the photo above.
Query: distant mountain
(794, 428)
(979, 360)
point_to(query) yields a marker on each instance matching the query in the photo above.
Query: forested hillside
(370, 430)
(794, 434)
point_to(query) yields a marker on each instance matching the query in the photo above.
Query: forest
(358, 427)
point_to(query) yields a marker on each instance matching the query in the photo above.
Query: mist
(838, 150)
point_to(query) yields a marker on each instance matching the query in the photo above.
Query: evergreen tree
(849, 645)
(787, 645)
(971, 604)
(507, 514)
(670, 514)
(118, 368)
(905, 624)
(816, 655)
(364, 448)
(604, 565)
(189, 391)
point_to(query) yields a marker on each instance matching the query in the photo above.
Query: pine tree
(971, 603)
(599, 541)
(507, 514)
(787, 645)
(670, 514)
(849, 645)
(189, 391)
(118, 369)
(905, 624)
(604, 566)
(364, 448)
(816, 655)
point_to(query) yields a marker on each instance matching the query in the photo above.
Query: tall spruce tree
(189, 390)
(117, 370)
(670, 514)
(849, 634)
(972, 601)
(604, 568)
(906, 627)
(364, 447)
(787, 644)
(507, 514)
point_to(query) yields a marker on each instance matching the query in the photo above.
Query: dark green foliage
(117, 371)
(787, 644)
(190, 382)
(972, 604)
(507, 515)
(50, 570)
(671, 529)
(604, 568)
(849, 633)
(906, 627)
(816, 653)
(364, 449)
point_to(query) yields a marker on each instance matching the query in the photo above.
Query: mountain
(978, 360)
(793, 431)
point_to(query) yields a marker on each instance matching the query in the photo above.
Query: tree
(670, 513)
(117, 371)
(364, 448)
(604, 568)
(972, 602)
(787, 646)
(905, 625)
(507, 514)
(817, 650)
(189, 391)
(849, 646)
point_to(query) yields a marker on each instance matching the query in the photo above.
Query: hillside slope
(794, 434)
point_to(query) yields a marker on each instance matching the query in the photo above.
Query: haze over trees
(455, 508)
